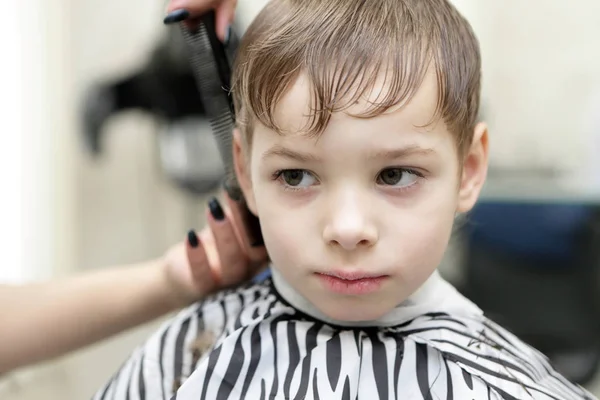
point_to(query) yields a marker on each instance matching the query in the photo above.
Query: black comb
(211, 65)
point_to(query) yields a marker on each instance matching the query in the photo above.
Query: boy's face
(357, 219)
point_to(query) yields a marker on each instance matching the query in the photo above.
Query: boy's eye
(297, 177)
(397, 177)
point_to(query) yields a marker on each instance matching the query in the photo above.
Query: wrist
(177, 285)
(165, 289)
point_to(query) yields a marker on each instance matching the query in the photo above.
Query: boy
(357, 147)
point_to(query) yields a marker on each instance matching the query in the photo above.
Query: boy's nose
(350, 227)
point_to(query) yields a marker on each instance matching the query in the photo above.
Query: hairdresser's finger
(210, 248)
(203, 273)
(256, 253)
(224, 17)
(195, 8)
(233, 262)
(189, 11)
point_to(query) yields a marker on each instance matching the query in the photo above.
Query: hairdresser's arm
(41, 321)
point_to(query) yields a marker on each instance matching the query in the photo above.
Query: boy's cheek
(286, 236)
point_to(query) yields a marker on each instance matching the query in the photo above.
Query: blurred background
(104, 162)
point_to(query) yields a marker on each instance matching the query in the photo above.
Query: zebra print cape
(250, 343)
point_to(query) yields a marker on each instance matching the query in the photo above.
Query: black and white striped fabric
(264, 348)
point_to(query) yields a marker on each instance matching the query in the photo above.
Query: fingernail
(176, 16)
(216, 210)
(193, 239)
(227, 35)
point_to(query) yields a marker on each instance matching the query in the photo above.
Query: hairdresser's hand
(219, 257)
(224, 12)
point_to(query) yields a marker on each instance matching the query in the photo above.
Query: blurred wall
(36, 150)
(541, 64)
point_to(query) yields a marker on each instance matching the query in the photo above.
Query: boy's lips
(351, 275)
(352, 282)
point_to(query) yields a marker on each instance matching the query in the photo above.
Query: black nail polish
(216, 210)
(193, 239)
(176, 16)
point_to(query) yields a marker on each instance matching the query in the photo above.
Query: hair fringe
(345, 48)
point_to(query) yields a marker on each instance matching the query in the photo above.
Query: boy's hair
(344, 47)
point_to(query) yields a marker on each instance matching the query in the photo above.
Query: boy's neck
(434, 295)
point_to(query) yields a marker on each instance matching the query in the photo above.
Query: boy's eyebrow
(281, 151)
(402, 152)
(285, 152)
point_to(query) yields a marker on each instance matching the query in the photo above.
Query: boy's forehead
(410, 126)
(294, 110)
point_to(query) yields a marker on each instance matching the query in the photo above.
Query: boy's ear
(474, 171)
(242, 170)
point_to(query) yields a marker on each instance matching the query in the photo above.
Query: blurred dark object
(534, 268)
(165, 87)
(190, 157)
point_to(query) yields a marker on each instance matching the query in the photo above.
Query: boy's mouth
(352, 282)
(351, 275)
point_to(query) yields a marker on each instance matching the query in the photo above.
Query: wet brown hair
(344, 46)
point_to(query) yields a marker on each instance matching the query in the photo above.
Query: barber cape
(265, 341)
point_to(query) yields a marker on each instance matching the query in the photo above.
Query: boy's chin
(349, 311)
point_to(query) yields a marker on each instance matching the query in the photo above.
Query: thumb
(195, 7)
(224, 17)
(212, 256)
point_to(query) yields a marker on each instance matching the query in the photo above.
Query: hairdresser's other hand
(217, 258)
(224, 12)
